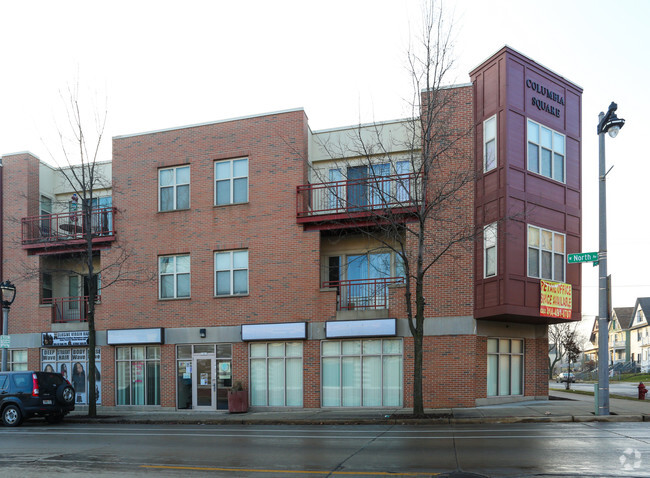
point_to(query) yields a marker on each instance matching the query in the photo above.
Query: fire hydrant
(642, 391)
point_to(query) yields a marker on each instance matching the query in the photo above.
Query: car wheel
(56, 418)
(11, 416)
(65, 395)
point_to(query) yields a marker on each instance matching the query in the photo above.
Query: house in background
(640, 334)
(619, 335)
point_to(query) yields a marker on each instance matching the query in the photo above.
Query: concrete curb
(125, 420)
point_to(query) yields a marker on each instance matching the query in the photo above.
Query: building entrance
(204, 386)
(204, 376)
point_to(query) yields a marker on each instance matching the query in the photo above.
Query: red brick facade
(285, 261)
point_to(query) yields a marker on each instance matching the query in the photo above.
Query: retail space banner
(556, 299)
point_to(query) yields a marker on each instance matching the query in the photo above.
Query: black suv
(28, 394)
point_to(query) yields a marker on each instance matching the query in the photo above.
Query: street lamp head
(610, 123)
(614, 126)
(8, 291)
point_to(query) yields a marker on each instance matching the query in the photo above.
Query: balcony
(65, 232)
(355, 202)
(362, 294)
(69, 309)
(618, 344)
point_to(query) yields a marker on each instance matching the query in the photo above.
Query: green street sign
(582, 257)
(5, 341)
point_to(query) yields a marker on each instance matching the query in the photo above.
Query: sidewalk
(564, 407)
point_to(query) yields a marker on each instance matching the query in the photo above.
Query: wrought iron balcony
(356, 199)
(362, 293)
(69, 309)
(65, 229)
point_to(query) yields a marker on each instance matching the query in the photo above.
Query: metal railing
(350, 196)
(66, 226)
(69, 309)
(362, 293)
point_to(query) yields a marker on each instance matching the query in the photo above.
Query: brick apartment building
(260, 275)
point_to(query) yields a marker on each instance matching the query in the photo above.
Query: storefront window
(17, 360)
(138, 375)
(505, 367)
(362, 373)
(72, 363)
(276, 374)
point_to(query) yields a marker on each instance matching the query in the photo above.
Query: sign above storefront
(556, 299)
(361, 328)
(294, 330)
(64, 339)
(135, 336)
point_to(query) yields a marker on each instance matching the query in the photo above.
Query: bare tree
(80, 167)
(407, 186)
(559, 335)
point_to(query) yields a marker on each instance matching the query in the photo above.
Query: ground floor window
(72, 363)
(276, 374)
(505, 367)
(17, 360)
(138, 375)
(362, 373)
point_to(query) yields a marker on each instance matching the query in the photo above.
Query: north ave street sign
(582, 257)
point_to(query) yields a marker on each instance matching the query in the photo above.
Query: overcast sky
(164, 64)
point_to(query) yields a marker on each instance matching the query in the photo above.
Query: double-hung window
(231, 181)
(490, 144)
(174, 276)
(490, 250)
(546, 151)
(174, 188)
(231, 272)
(546, 254)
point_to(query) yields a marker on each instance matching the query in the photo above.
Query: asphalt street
(266, 451)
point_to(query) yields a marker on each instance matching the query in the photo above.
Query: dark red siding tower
(532, 187)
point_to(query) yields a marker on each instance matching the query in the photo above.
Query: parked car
(564, 376)
(27, 394)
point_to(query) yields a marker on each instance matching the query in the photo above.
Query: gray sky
(164, 64)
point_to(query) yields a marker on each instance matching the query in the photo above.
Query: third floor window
(174, 188)
(231, 181)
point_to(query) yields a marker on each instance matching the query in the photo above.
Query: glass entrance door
(204, 383)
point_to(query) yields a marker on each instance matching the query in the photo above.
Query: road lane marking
(304, 472)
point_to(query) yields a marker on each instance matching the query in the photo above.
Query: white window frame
(285, 357)
(174, 187)
(542, 249)
(499, 372)
(558, 147)
(231, 179)
(490, 246)
(361, 354)
(175, 274)
(231, 270)
(13, 361)
(490, 123)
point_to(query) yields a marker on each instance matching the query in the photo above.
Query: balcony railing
(356, 196)
(69, 309)
(362, 293)
(618, 344)
(67, 226)
(645, 340)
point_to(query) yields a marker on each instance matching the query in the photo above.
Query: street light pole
(607, 123)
